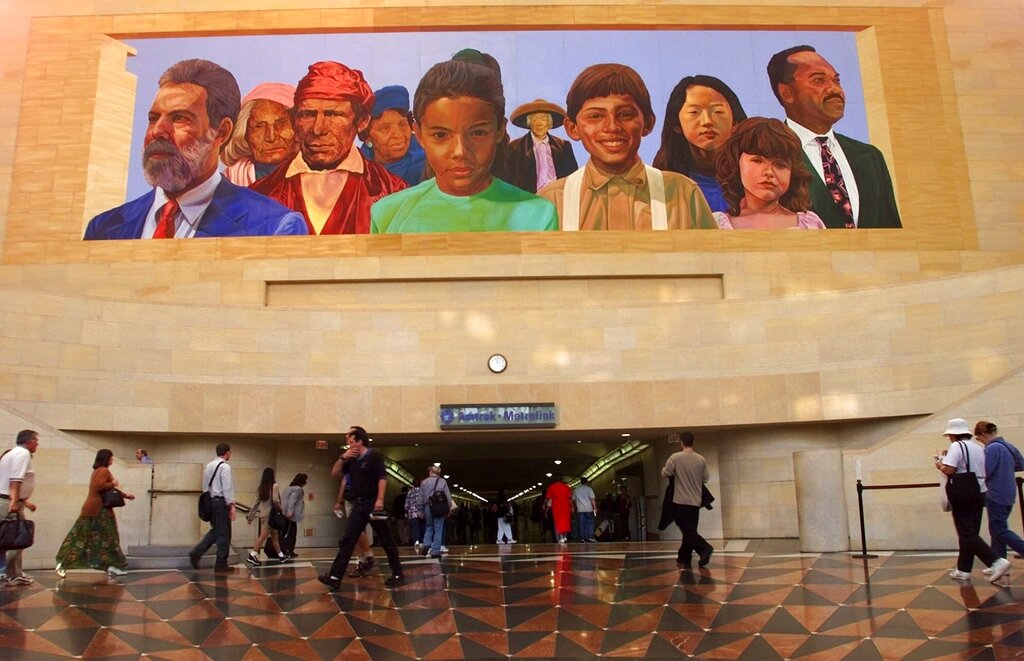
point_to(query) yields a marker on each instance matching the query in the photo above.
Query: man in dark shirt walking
(365, 470)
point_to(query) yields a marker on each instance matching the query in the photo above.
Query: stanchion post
(1020, 499)
(863, 535)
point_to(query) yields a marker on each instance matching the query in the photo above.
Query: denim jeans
(1000, 533)
(433, 537)
(586, 523)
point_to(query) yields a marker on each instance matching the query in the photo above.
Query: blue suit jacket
(234, 211)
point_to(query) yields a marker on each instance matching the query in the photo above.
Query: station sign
(497, 416)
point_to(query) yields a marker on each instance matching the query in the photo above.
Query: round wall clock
(497, 363)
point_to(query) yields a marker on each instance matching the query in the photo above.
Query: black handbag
(438, 502)
(277, 520)
(963, 488)
(112, 498)
(205, 506)
(16, 533)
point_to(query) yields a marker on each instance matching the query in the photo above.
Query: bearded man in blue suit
(191, 117)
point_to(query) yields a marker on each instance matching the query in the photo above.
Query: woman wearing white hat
(965, 456)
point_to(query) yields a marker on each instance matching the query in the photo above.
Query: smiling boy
(609, 111)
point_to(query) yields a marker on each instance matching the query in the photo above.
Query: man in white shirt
(191, 117)
(17, 482)
(585, 502)
(852, 188)
(217, 480)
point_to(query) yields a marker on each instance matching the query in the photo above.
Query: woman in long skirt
(93, 541)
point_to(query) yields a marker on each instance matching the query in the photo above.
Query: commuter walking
(690, 472)
(268, 499)
(17, 482)
(218, 483)
(93, 541)
(293, 502)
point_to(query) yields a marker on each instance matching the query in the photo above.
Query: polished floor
(760, 600)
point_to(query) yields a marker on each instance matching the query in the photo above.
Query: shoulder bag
(438, 502)
(112, 497)
(206, 500)
(16, 532)
(277, 520)
(963, 488)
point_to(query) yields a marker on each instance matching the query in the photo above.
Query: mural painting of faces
(315, 143)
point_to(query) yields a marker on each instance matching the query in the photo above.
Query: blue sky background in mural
(535, 64)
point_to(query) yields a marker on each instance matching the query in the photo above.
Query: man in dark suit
(852, 188)
(191, 117)
(538, 157)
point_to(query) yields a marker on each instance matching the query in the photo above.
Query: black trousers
(219, 533)
(287, 537)
(686, 517)
(967, 519)
(357, 521)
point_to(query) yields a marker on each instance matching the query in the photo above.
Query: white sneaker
(114, 571)
(444, 549)
(1000, 568)
(60, 570)
(20, 580)
(511, 541)
(960, 575)
(987, 571)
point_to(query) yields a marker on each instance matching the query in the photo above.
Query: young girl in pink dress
(763, 179)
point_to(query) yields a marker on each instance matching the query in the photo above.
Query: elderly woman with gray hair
(263, 136)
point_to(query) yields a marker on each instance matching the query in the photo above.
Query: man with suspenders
(609, 111)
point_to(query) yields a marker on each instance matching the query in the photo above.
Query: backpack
(438, 502)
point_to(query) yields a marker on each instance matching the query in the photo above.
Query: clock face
(497, 363)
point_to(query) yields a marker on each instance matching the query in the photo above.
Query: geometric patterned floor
(530, 601)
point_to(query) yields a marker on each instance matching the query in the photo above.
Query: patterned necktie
(165, 220)
(834, 182)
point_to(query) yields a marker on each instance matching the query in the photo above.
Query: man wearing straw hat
(538, 157)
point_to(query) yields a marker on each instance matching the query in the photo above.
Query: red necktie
(834, 182)
(165, 220)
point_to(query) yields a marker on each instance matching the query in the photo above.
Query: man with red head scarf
(329, 182)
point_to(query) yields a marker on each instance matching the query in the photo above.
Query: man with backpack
(217, 482)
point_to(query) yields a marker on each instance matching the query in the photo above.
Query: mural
(409, 132)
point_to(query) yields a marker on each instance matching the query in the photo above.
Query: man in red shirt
(329, 181)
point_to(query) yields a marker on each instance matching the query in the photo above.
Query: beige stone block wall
(191, 336)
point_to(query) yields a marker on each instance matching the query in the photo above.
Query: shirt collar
(353, 162)
(193, 203)
(807, 136)
(636, 175)
(537, 142)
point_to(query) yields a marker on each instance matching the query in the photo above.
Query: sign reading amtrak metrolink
(491, 416)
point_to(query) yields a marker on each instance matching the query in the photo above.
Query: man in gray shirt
(585, 502)
(217, 480)
(690, 472)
